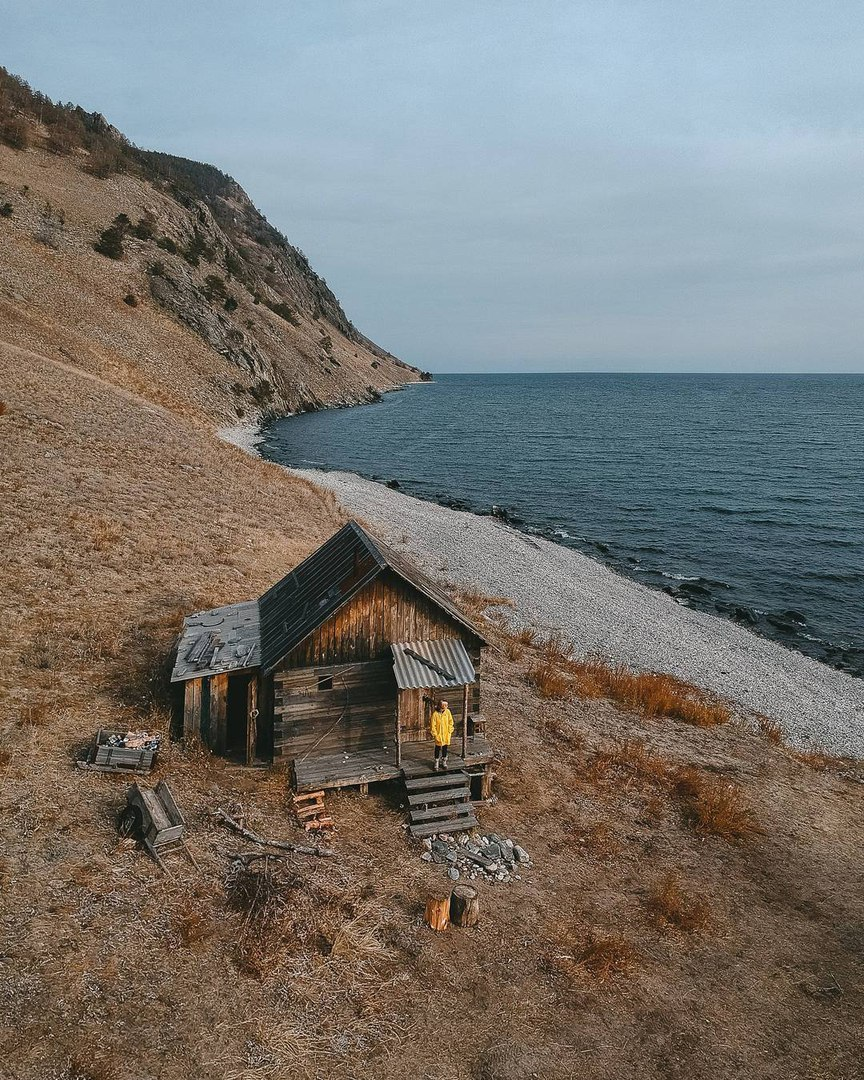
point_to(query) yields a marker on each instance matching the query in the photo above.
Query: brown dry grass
(772, 731)
(549, 681)
(649, 693)
(557, 674)
(605, 956)
(670, 907)
(715, 808)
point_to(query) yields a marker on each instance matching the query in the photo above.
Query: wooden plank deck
(328, 771)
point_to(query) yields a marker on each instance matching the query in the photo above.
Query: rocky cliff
(160, 274)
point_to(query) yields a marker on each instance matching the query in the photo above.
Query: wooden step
(308, 797)
(445, 825)
(435, 812)
(439, 780)
(422, 798)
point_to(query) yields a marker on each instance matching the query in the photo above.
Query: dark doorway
(237, 716)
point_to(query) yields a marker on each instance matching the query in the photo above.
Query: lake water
(739, 495)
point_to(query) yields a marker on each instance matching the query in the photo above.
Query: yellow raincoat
(442, 727)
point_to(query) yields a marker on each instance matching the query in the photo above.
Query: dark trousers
(442, 752)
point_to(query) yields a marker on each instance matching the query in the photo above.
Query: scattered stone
(491, 857)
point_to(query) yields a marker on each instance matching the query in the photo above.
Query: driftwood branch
(284, 845)
(248, 856)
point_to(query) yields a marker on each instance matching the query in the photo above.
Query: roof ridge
(371, 543)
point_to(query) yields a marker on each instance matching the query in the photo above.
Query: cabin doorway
(237, 733)
(415, 708)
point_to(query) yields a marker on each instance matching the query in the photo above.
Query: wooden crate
(160, 820)
(105, 758)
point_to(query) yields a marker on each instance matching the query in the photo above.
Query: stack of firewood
(311, 812)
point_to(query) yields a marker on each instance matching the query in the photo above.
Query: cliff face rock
(160, 272)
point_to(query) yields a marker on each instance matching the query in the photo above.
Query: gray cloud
(498, 185)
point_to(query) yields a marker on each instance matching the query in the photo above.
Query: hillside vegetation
(693, 909)
(159, 273)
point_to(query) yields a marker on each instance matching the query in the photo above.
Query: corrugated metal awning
(428, 665)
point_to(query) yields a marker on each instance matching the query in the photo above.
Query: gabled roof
(326, 581)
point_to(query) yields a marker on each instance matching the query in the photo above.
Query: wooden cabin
(335, 669)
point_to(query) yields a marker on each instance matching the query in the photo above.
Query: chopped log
(464, 906)
(438, 912)
(283, 845)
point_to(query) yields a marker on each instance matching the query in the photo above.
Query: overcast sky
(619, 184)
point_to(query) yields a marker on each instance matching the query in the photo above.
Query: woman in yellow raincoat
(441, 726)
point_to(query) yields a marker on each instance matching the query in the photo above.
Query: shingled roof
(326, 581)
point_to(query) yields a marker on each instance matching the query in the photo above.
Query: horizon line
(635, 371)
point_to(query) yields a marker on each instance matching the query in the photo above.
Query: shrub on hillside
(131, 299)
(283, 311)
(714, 808)
(61, 140)
(146, 227)
(197, 249)
(50, 228)
(214, 288)
(669, 907)
(110, 242)
(234, 265)
(167, 244)
(106, 160)
(15, 132)
(6, 209)
(548, 680)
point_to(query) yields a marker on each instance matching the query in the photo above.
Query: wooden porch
(327, 771)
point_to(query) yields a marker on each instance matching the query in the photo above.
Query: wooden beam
(218, 712)
(251, 719)
(399, 729)
(464, 722)
(192, 710)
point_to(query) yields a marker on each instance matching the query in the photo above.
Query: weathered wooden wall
(385, 612)
(358, 713)
(353, 646)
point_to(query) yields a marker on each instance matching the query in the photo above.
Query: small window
(325, 682)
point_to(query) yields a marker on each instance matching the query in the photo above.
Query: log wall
(358, 712)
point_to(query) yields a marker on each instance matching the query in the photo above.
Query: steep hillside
(160, 274)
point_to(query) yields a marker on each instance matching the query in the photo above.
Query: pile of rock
(492, 857)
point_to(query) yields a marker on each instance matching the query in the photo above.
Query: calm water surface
(740, 495)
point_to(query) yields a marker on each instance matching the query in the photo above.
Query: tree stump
(438, 912)
(464, 906)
